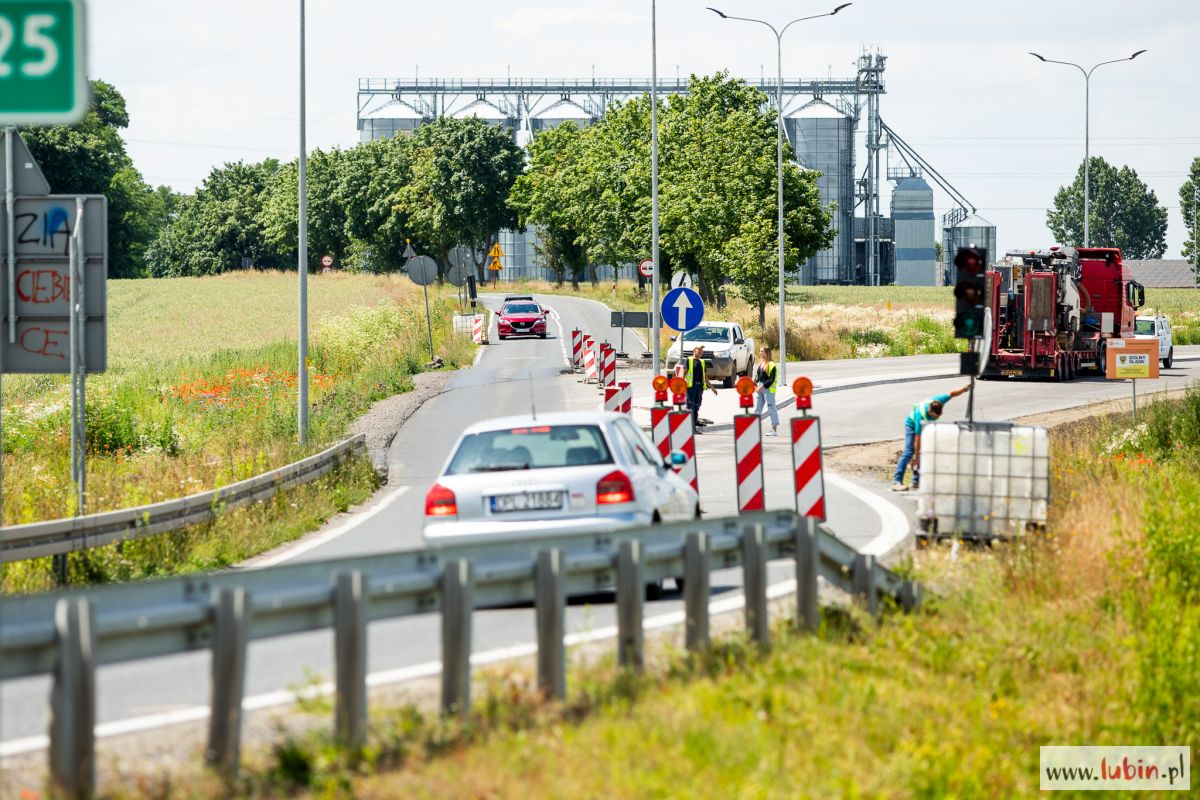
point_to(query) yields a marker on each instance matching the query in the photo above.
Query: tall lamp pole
(655, 312)
(779, 159)
(1087, 99)
(302, 262)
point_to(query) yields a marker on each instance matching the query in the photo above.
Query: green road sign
(42, 63)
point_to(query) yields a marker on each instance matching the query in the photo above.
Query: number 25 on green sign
(42, 79)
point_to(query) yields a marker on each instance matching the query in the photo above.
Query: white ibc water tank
(983, 479)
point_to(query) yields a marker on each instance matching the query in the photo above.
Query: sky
(217, 81)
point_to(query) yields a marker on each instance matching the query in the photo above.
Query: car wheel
(728, 384)
(1170, 359)
(503, 337)
(541, 336)
(697, 516)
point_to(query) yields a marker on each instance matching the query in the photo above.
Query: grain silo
(971, 231)
(391, 118)
(912, 212)
(823, 140)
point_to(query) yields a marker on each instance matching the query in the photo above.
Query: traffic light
(968, 293)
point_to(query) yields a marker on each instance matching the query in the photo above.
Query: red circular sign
(646, 268)
(327, 261)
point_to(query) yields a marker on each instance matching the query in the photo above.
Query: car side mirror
(739, 341)
(545, 313)
(677, 458)
(673, 338)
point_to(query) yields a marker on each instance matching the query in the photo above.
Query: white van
(1157, 328)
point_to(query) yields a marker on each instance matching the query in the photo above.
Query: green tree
(279, 216)
(220, 228)
(542, 196)
(90, 158)
(462, 172)
(372, 190)
(1188, 193)
(1124, 212)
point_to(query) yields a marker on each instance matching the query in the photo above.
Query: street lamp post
(655, 322)
(1087, 99)
(302, 261)
(782, 376)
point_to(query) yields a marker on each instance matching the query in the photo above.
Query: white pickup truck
(1157, 328)
(728, 352)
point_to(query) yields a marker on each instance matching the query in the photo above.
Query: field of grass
(201, 391)
(828, 322)
(1088, 635)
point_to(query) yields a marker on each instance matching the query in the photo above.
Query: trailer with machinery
(1053, 311)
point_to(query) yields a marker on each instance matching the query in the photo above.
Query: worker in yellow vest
(696, 377)
(766, 376)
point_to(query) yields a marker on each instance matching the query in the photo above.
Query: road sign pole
(428, 323)
(1134, 382)
(302, 262)
(11, 245)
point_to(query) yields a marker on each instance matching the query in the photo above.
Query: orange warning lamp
(679, 389)
(660, 383)
(802, 387)
(745, 389)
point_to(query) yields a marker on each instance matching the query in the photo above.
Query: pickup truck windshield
(707, 333)
(1144, 326)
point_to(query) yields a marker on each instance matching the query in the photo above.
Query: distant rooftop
(1163, 273)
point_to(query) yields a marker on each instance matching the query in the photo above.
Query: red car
(522, 318)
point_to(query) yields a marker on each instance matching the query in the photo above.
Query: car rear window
(521, 308)
(533, 447)
(1144, 326)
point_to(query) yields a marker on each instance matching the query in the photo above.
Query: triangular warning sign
(495, 252)
(495, 266)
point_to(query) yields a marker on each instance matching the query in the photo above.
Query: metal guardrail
(69, 634)
(58, 536)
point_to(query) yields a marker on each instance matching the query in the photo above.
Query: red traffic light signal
(969, 260)
(969, 291)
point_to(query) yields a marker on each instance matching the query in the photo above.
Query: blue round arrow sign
(682, 309)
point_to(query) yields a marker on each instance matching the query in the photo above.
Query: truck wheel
(1170, 359)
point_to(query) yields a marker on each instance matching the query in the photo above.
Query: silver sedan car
(555, 473)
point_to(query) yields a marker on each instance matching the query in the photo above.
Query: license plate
(526, 501)
(1012, 372)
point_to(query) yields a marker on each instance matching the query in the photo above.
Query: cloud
(532, 21)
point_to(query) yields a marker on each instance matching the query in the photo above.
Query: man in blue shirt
(914, 423)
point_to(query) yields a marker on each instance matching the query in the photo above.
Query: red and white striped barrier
(612, 399)
(576, 348)
(747, 449)
(683, 438)
(608, 365)
(477, 329)
(589, 365)
(660, 430)
(806, 463)
(625, 389)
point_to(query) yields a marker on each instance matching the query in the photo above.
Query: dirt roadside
(382, 421)
(877, 459)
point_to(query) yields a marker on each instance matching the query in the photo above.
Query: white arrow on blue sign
(682, 309)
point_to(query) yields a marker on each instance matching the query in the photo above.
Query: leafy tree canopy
(1124, 212)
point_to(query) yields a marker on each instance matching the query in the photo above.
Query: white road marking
(350, 524)
(893, 524)
(562, 340)
(428, 669)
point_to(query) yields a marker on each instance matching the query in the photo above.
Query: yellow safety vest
(688, 377)
(773, 376)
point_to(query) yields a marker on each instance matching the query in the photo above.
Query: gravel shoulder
(383, 421)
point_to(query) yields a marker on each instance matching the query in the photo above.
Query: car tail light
(615, 487)
(440, 502)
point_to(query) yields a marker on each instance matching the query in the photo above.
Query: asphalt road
(506, 379)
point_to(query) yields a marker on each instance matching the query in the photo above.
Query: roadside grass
(1087, 635)
(202, 393)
